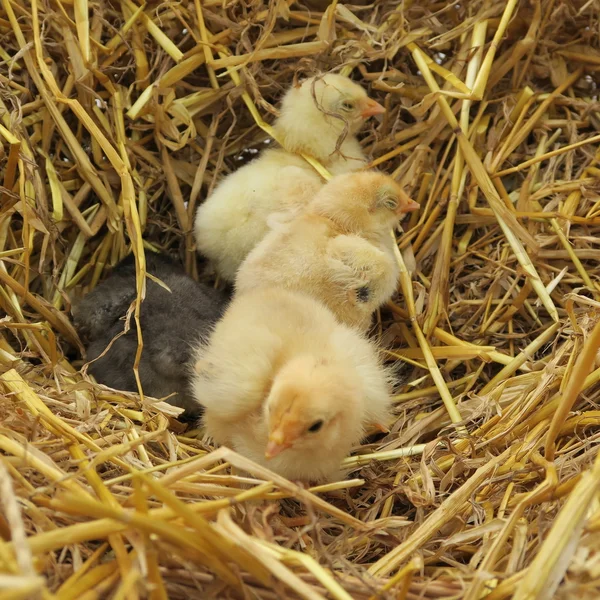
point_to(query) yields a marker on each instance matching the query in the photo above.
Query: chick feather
(316, 117)
(171, 322)
(285, 384)
(339, 249)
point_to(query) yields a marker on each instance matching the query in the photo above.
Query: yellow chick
(283, 383)
(338, 250)
(315, 117)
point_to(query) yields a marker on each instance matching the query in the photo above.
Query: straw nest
(116, 121)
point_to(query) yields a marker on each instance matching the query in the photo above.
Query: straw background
(116, 121)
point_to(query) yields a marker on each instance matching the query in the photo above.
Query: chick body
(233, 219)
(171, 323)
(339, 249)
(277, 364)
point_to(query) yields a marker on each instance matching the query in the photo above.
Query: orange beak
(381, 427)
(276, 445)
(371, 108)
(409, 206)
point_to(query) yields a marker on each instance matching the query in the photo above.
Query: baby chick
(338, 250)
(315, 116)
(171, 323)
(283, 383)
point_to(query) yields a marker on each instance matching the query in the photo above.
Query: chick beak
(408, 207)
(371, 108)
(277, 444)
(382, 427)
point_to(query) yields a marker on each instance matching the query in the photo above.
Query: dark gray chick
(171, 324)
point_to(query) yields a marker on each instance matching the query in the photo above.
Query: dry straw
(118, 118)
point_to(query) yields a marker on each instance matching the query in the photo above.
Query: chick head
(331, 99)
(310, 405)
(367, 201)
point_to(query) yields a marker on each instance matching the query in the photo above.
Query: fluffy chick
(338, 250)
(283, 383)
(171, 323)
(314, 116)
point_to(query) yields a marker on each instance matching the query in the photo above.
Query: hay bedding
(116, 121)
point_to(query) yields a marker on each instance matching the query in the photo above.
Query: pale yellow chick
(286, 385)
(338, 250)
(314, 117)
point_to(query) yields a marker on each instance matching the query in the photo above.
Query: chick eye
(390, 203)
(316, 426)
(347, 105)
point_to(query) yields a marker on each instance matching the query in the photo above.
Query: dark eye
(316, 426)
(347, 105)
